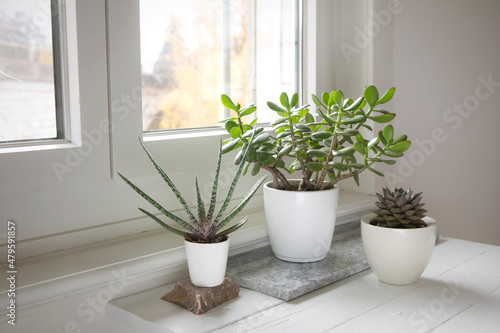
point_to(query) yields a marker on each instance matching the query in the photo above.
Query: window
(31, 75)
(194, 51)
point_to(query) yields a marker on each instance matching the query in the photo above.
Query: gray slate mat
(261, 271)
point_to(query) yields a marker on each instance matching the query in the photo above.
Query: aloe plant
(206, 226)
(326, 148)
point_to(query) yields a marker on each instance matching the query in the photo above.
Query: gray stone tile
(261, 271)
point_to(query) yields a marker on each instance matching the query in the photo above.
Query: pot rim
(427, 219)
(194, 243)
(268, 186)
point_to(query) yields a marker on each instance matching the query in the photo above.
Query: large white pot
(207, 263)
(398, 256)
(300, 224)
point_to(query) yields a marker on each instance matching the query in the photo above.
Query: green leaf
(284, 100)
(275, 107)
(316, 153)
(390, 162)
(338, 97)
(278, 121)
(372, 142)
(229, 146)
(325, 98)
(371, 96)
(358, 146)
(357, 165)
(315, 166)
(400, 147)
(170, 215)
(392, 154)
(285, 150)
(378, 173)
(255, 169)
(229, 125)
(353, 120)
(399, 138)
(201, 205)
(170, 184)
(356, 178)
(283, 134)
(228, 103)
(251, 155)
(355, 105)
(248, 111)
(232, 228)
(304, 128)
(164, 225)
(261, 138)
(279, 163)
(339, 166)
(318, 102)
(309, 118)
(241, 204)
(321, 135)
(385, 118)
(387, 96)
(382, 138)
(349, 151)
(388, 132)
(235, 132)
(239, 157)
(294, 100)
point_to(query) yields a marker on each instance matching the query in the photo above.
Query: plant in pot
(325, 149)
(395, 230)
(205, 242)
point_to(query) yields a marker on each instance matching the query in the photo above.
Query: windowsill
(140, 258)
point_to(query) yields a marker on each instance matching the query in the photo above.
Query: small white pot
(300, 224)
(207, 263)
(398, 256)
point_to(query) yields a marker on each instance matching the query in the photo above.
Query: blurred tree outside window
(192, 51)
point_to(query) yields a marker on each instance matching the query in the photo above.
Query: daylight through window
(195, 50)
(27, 81)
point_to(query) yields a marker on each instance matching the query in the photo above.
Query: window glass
(195, 50)
(27, 96)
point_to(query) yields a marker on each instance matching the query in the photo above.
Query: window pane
(195, 50)
(27, 97)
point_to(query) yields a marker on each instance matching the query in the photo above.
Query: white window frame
(91, 203)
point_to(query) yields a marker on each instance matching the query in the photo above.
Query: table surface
(458, 292)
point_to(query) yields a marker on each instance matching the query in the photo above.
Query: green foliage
(399, 209)
(206, 226)
(326, 148)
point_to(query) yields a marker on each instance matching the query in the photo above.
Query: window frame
(91, 203)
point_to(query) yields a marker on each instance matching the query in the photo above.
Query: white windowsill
(140, 259)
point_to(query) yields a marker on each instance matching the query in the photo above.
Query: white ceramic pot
(207, 263)
(398, 256)
(300, 224)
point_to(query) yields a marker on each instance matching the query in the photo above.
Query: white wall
(440, 56)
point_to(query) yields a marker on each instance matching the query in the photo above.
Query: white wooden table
(458, 292)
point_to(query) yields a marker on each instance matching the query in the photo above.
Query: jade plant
(326, 148)
(206, 226)
(399, 209)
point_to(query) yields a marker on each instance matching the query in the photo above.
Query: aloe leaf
(213, 197)
(171, 185)
(234, 182)
(164, 225)
(171, 216)
(201, 205)
(232, 228)
(241, 204)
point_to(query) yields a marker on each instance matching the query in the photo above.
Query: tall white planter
(300, 224)
(207, 263)
(398, 256)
